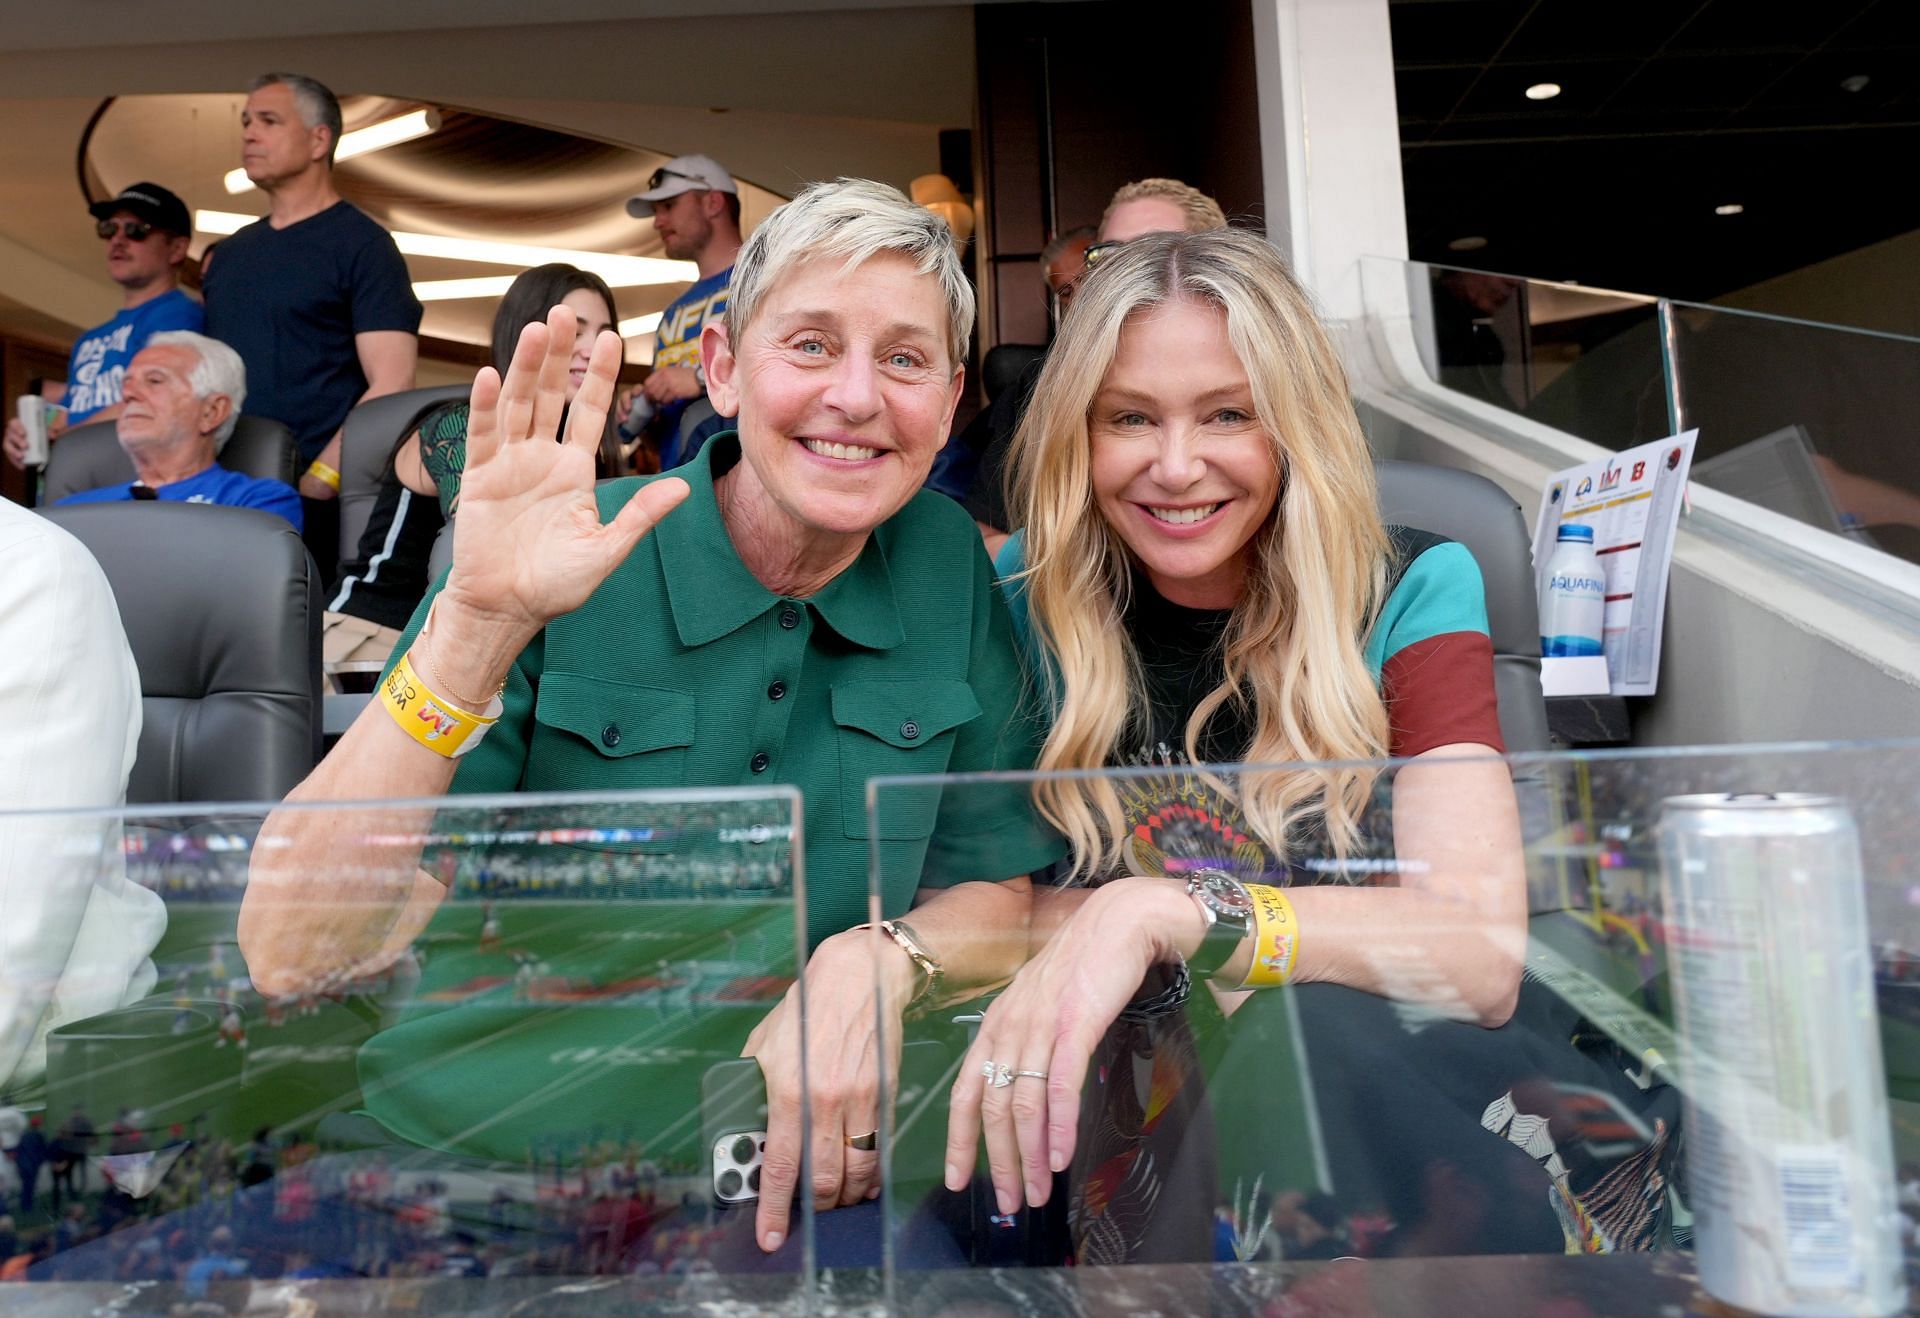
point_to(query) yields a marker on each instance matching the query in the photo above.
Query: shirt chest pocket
(610, 734)
(889, 728)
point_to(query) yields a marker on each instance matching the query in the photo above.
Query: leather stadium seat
(367, 437)
(1484, 518)
(89, 457)
(222, 609)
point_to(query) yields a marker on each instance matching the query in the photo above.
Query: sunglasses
(137, 231)
(660, 176)
(1099, 252)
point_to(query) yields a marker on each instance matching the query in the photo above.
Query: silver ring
(1037, 1075)
(866, 1143)
(998, 1074)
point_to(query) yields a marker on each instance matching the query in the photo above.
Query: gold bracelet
(439, 725)
(433, 669)
(908, 941)
(326, 475)
(1276, 938)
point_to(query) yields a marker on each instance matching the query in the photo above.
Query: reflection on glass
(1710, 1064)
(1811, 421)
(545, 1080)
(1580, 360)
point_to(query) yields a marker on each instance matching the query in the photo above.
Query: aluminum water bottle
(1573, 603)
(1788, 1145)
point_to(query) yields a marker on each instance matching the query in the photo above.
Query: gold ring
(866, 1143)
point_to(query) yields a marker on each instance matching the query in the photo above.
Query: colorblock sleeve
(1433, 656)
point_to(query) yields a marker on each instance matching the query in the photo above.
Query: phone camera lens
(743, 1149)
(753, 1180)
(729, 1184)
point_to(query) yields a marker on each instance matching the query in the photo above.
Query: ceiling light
(1471, 243)
(619, 271)
(647, 324)
(454, 290)
(1731, 208)
(374, 137)
(1857, 83)
(1543, 91)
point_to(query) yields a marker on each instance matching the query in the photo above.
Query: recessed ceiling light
(619, 271)
(1857, 83)
(1543, 91)
(1471, 243)
(1731, 208)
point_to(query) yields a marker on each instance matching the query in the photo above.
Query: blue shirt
(99, 360)
(214, 485)
(677, 343)
(290, 302)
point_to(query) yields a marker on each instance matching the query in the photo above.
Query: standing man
(695, 206)
(315, 297)
(146, 229)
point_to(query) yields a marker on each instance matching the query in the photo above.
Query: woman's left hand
(843, 1079)
(1048, 1021)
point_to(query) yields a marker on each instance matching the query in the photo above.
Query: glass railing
(504, 1042)
(1521, 1013)
(1653, 1006)
(1802, 423)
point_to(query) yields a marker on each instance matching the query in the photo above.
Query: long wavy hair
(528, 299)
(1293, 650)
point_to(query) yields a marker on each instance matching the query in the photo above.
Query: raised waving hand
(528, 544)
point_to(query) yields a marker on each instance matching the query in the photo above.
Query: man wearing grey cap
(695, 207)
(145, 229)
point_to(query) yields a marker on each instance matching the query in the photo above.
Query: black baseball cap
(150, 202)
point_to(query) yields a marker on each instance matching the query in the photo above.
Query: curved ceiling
(476, 177)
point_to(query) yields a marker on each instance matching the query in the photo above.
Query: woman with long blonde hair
(1203, 578)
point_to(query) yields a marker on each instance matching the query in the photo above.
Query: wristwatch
(1228, 909)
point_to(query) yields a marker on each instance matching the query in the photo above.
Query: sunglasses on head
(136, 230)
(661, 175)
(1098, 252)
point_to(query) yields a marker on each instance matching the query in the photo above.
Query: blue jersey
(677, 343)
(214, 485)
(98, 364)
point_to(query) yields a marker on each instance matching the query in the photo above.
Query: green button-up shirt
(682, 670)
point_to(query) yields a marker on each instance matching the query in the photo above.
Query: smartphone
(733, 1116)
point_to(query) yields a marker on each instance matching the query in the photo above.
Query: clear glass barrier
(1815, 422)
(1659, 1005)
(1581, 360)
(538, 1078)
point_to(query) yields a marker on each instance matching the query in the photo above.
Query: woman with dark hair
(420, 487)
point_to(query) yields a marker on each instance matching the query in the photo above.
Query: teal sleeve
(1439, 593)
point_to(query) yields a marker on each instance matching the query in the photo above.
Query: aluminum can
(1788, 1146)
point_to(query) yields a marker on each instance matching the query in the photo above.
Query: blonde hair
(1293, 648)
(1202, 211)
(851, 220)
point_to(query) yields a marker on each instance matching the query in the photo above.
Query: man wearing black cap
(146, 229)
(695, 207)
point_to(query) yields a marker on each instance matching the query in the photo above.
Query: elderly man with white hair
(180, 400)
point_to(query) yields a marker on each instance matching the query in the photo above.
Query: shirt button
(778, 691)
(610, 735)
(909, 730)
(759, 762)
(789, 617)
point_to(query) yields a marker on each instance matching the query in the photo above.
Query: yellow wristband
(1276, 938)
(326, 475)
(438, 724)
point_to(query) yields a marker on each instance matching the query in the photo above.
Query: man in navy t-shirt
(183, 395)
(315, 297)
(145, 229)
(695, 207)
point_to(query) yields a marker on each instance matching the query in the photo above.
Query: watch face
(1222, 892)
